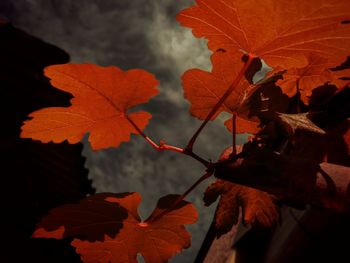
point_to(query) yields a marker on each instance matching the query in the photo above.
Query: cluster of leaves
(302, 44)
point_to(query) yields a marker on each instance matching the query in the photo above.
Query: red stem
(163, 146)
(181, 197)
(188, 150)
(221, 101)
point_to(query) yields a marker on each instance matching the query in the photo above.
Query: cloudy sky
(135, 34)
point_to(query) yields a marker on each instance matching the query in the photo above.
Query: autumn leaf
(258, 207)
(283, 33)
(157, 239)
(102, 97)
(204, 89)
(313, 75)
(342, 78)
(243, 126)
(227, 211)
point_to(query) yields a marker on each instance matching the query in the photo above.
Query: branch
(162, 146)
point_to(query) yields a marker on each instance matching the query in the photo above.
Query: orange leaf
(204, 89)
(281, 32)
(315, 74)
(337, 81)
(258, 207)
(243, 126)
(102, 96)
(157, 239)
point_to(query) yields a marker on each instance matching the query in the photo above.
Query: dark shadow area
(36, 177)
(90, 219)
(266, 100)
(252, 246)
(317, 235)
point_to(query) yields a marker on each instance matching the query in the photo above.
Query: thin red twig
(166, 147)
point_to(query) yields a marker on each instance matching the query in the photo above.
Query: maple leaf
(313, 75)
(102, 96)
(291, 30)
(157, 239)
(204, 89)
(258, 207)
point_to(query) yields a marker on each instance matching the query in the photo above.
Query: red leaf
(157, 239)
(243, 126)
(283, 32)
(204, 89)
(102, 96)
(258, 207)
(313, 75)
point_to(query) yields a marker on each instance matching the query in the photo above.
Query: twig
(162, 146)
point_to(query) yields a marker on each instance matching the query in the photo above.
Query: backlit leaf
(204, 89)
(243, 125)
(121, 233)
(313, 75)
(258, 207)
(102, 97)
(283, 33)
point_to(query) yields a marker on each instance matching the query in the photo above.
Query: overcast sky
(135, 34)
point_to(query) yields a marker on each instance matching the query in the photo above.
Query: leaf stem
(208, 174)
(162, 146)
(221, 101)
